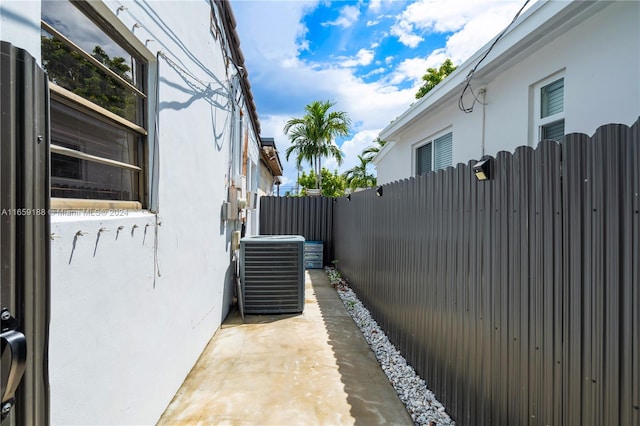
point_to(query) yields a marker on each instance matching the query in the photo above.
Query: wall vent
(272, 274)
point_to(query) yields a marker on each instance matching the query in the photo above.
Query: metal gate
(24, 238)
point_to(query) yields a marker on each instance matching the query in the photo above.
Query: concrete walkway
(309, 369)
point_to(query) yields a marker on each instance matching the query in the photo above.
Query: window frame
(418, 170)
(540, 122)
(145, 72)
(430, 141)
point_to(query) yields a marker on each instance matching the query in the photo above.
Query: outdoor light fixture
(379, 191)
(482, 169)
(349, 197)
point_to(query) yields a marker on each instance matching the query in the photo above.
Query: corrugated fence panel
(601, 234)
(574, 200)
(517, 298)
(630, 389)
(311, 217)
(25, 230)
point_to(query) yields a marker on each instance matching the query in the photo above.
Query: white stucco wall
(600, 59)
(266, 181)
(253, 178)
(133, 305)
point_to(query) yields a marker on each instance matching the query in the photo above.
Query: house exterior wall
(600, 68)
(135, 295)
(266, 181)
(265, 188)
(253, 180)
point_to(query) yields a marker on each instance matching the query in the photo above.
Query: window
(435, 154)
(98, 106)
(549, 101)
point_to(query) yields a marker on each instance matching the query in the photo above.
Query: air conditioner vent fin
(272, 274)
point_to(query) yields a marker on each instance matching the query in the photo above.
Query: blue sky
(367, 56)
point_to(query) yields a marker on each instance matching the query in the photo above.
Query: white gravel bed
(419, 401)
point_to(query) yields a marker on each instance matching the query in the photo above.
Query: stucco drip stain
(100, 231)
(73, 245)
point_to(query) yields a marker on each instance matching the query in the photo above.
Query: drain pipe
(483, 93)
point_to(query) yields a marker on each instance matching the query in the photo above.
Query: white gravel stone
(412, 390)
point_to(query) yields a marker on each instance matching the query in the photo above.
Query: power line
(471, 74)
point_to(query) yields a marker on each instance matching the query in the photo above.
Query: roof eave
(272, 160)
(229, 21)
(383, 152)
(544, 20)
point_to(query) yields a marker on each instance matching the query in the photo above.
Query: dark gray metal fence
(24, 238)
(516, 298)
(311, 217)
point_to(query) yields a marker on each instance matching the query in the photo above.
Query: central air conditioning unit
(272, 274)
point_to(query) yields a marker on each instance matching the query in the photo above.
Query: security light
(379, 191)
(482, 169)
(349, 197)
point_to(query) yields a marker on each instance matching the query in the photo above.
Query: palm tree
(373, 150)
(302, 146)
(357, 176)
(312, 135)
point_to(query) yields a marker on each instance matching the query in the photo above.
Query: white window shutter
(443, 151)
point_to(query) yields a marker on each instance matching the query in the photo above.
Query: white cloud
(374, 6)
(442, 15)
(478, 31)
(372, 22)
(413, 69)
(374, 72)
(481, 19)
(352, 148)
(404, 30)
(272, 42)
(285, 181)
(348, 16)
(364, 57)
(303, 45)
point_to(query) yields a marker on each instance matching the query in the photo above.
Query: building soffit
(270, 156)
(272, 160)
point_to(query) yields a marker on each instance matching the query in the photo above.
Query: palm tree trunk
(315, 169)
(319, 175)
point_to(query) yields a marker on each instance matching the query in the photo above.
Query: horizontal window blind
(553, 130)
(423, 159)
(552, 98)
(443, 156)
